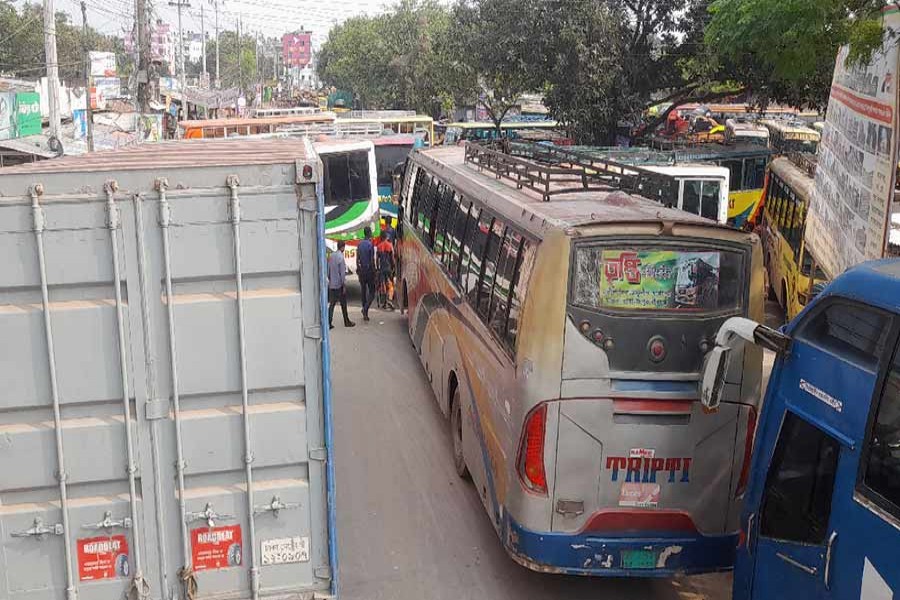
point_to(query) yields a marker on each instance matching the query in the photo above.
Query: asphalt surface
(408, 527)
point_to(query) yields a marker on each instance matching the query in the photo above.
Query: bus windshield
(346, 177)
(387, 157)
(701, 197)
(658, 278)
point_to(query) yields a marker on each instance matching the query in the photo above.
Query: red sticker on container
(216, 547)
(103, 558)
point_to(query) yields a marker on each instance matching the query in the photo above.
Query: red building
(296, 48)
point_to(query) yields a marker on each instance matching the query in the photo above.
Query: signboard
(79, 120)
(107, 88)
(7, 115)
(102, 558)
(216, 547)
(151, 128)
(659, 279)
(281, 551)
(103, 64)
(850, 210)
(28, 114)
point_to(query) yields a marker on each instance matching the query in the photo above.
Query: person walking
(365, 268)
(385, 261)
(337, 289)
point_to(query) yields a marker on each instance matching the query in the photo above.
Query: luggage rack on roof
(553, 170)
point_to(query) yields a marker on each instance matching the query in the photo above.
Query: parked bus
(232, 127)
(457, 133)
(788, 264)
(821, 516)
(746, 131)
(391, 152)
(563, 333)
(741, 165)
(421, 126)
(284, 111)
(350, 188)
(786, 137)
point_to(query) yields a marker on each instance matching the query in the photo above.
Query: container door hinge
(314, 332)
(319, 454)
(157, 408)
(323, 572)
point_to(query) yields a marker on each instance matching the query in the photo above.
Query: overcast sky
(268, 17)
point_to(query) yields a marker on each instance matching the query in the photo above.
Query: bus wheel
(459, 459)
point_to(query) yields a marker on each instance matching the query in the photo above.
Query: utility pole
(218, 82)
(205, 75)
(181, 4)
(52, 67)
(143, 63)
(240, 62)
(88, 111)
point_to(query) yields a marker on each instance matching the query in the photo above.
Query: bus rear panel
(624, 473)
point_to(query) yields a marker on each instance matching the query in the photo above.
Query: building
(193, 46)
(296, 48)
(162, 44)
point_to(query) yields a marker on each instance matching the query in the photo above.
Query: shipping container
(165, 412)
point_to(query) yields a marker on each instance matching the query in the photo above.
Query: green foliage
(232, 72)
(784, 50)
(22, 43)
(396, 60)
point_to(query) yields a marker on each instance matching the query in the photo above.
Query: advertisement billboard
(103, 64)
(7, 115)
(28, 119)
(857, 162)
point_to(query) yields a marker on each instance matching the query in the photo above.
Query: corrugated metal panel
(162, 425)
(176, 154)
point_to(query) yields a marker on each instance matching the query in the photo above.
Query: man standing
(337, 291)
(365, 268)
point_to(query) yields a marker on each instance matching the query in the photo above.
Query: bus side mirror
(734, 332)
(712, 382)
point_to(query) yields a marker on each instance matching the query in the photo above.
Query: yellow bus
(787, 137)
(788, 264)
(563, 325)
(240, 126)
(457, 133)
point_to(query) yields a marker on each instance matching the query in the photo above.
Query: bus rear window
(346, 177)
(658, 279)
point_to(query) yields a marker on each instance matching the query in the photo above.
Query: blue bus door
(804, 522)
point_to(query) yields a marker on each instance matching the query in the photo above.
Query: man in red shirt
(385, 265)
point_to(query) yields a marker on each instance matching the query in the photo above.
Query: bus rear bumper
(595, 555)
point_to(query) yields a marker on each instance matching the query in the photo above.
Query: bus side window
(476, 257)
(456, 228)
(754, 173)
(506, 269)
(420, 188)
(524, 266)
(881, 461)
(444, 203)
(428, 206)
(735, 177)
(472, 244)
(489, 271)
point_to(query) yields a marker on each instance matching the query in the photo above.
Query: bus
(791, 270)
(748, 131)
(232, 127)
(284, 111)
(457, 133)
(350, 189)
(563, 330)
(786, 137)
(421, 126)
(391, 152)
(742, 166)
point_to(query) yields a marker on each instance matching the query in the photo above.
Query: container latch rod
(275, 506)
(209, 515)
(39, 531)
(108, 522)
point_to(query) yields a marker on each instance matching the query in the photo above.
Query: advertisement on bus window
(857, 161)
(659, 279)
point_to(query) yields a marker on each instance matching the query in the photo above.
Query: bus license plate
(638, 559)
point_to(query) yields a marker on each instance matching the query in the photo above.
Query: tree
(235, 71)
(494, 42)
(784, 50)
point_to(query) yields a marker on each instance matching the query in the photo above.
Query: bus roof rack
(553, 170)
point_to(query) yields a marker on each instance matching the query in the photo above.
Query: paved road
(408, 527)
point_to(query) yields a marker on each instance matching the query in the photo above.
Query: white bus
(563, 325)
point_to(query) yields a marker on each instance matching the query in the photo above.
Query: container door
(239, 373)
(71, 498)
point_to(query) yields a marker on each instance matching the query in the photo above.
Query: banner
(7, 115)
(659, 279)
(107, 88)
(79, 121)
(28, 114)
(103, 64)
(850, 209)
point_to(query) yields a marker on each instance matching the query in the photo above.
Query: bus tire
(456, 425)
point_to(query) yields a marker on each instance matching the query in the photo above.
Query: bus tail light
(748, 452)
(531, 451)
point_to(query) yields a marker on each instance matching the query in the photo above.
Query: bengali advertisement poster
(857, 161)
(659, 279)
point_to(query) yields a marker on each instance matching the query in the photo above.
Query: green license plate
(638, 559)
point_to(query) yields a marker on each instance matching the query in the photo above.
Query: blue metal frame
(326, 393)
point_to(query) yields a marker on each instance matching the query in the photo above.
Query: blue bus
(821, 516)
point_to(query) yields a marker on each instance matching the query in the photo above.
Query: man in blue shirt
(337, 291)
(365, 268)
